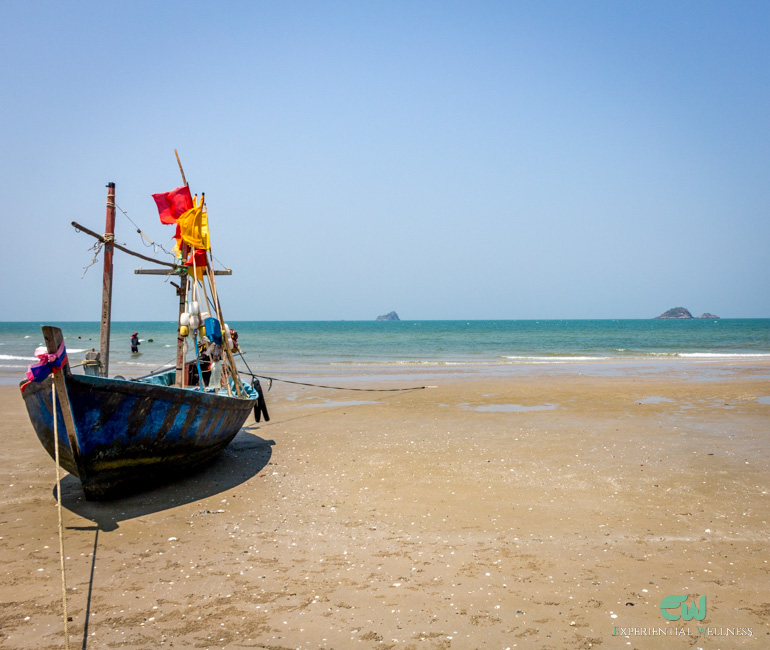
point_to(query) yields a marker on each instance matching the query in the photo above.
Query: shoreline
(544, 509)
(332, 347)
(702, 367)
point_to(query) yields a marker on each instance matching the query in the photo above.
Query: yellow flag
(194, 226)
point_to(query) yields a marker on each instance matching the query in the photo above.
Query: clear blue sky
(445, 159)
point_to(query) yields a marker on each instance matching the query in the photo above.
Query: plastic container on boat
(213, 330)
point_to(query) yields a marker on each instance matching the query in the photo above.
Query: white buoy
(194, 309)
(194, 321)
(184, 319)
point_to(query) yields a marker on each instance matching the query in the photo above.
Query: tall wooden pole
(179, 162)
(179, 379)
(109, 238)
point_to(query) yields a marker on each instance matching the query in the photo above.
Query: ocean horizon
(334, 345)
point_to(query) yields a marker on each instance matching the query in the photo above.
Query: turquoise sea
(322, 347)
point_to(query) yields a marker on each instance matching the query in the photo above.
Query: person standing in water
(135, 343)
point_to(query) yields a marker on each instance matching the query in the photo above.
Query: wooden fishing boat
(122, 435)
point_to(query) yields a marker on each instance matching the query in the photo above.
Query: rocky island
(391, 316)
(676, 312)
(682, 312)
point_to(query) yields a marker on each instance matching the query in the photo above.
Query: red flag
(171, 205)
(199, 255)
(200, 259)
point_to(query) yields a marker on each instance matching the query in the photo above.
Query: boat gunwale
(158, 391)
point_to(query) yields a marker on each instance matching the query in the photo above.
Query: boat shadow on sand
(241, 460)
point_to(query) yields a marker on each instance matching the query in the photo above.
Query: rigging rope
(97, 248)
(144, 236)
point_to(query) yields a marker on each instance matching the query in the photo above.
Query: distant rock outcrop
(391, 316)
(681, 312)
(676, 312)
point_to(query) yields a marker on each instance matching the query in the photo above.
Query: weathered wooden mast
(109, 239)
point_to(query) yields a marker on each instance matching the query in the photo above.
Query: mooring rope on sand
(61, 528)
(167, 366)
(302, 383)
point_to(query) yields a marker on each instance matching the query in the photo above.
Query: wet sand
(550, 510)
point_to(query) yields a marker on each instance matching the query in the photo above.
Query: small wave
(437, 362)
(554, 359)
(725, 355)
(11, 357)
(625, 355)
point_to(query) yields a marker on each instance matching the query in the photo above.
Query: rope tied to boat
(302, 383)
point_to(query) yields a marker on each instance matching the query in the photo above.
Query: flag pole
(228, 355)
(179, 162)
(179, 379)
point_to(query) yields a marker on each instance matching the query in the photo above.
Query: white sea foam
(552, 360)
(10, 357)
(533, 359)
(436, 362)
(725, 355)
(642, 355)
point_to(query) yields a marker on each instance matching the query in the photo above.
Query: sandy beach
(548, 510)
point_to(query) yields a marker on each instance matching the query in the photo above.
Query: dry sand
(542, 511)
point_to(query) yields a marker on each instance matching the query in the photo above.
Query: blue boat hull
(131, 434)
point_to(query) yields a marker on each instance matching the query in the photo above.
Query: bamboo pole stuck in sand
(61, 528)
